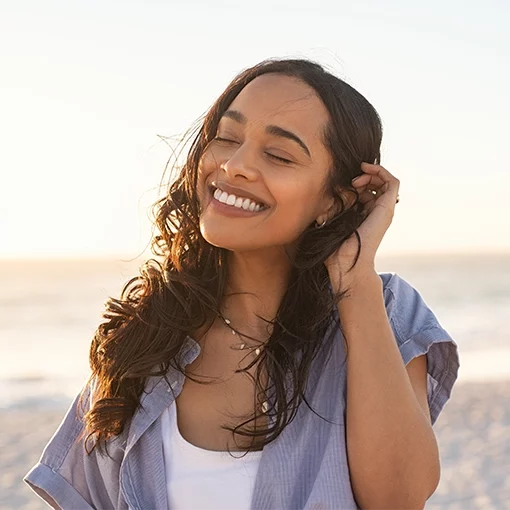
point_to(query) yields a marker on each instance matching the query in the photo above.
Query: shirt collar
(159, 393)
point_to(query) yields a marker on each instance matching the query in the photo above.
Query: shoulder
(406, 307)
(395, 286)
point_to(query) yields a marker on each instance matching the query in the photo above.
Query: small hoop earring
(320, 225)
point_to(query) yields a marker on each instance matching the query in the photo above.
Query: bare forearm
(392, 450)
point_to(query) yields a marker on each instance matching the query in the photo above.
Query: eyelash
(277, 158)
(219, 139)
(282, 160)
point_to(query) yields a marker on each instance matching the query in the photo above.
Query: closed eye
(220, 139)
(224, 140)
(278, 158)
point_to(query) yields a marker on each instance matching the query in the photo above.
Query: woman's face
(262, 179)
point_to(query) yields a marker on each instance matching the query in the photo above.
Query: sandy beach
(473, 433)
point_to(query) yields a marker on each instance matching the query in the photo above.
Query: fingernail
(356, 178)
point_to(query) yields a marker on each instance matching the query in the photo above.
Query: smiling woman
(265, 329)
(267, 146)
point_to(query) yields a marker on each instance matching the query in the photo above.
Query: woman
(265, 329)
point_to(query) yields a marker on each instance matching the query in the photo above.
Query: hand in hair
(378, 190)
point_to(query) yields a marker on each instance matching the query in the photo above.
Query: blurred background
(93, 94)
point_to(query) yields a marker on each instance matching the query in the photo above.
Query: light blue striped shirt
(304, 468)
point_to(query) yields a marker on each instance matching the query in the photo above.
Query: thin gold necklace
(241, 347)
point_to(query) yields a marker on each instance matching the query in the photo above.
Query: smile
(231, 200)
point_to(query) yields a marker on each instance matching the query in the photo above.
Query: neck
(256, 285)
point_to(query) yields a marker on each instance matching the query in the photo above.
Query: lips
(238, 193)
(239, 202)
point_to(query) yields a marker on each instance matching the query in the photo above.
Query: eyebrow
(271, 129)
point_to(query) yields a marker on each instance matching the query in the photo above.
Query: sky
(91, 90)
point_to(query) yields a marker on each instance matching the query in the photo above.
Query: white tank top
(199, 479)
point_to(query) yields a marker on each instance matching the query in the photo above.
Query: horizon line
(146, 256)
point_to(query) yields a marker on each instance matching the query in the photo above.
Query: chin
(221, 239)
(244, 235)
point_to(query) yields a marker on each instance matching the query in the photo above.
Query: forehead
(283, 101)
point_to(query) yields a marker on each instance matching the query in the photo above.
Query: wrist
(355, 279)
(364, 298)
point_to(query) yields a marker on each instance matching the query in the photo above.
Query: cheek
(294, 211)
(298, 201)
(209, 161)
(206, 167)
(203, 167)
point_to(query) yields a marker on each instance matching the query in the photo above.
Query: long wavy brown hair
(145, 329)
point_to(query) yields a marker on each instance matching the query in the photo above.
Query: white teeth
(232, 200)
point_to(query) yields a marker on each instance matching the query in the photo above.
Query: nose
(241, 163)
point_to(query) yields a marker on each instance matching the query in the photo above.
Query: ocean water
(49, 311)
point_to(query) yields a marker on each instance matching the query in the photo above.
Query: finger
(374, 189)
(378, 170)
(367, 179)
(392, 183)
(367, 196)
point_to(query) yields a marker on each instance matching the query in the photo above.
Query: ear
(326, 211)
(332, 206)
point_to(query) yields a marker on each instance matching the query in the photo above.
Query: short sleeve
(418, 331)
(66, 477)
